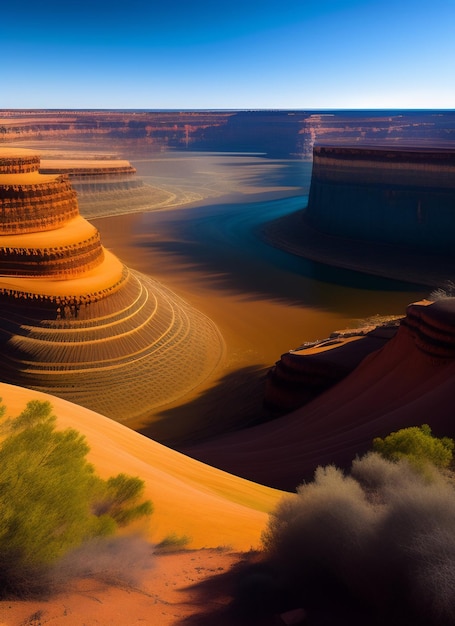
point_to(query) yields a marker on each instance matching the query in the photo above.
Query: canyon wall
(400, 196)
(279, 134)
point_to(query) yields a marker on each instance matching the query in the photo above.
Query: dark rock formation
(302, 374)
(399, 196)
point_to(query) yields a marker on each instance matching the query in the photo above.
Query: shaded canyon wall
(398, 196)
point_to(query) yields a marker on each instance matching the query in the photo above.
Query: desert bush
(379, 542)
(172, 543)
(418, 446)
(50, 498)
(120, 498)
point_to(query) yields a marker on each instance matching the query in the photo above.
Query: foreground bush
(376, 546)
(51, 500)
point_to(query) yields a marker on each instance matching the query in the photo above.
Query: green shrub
(120, 499)
(50, 498)
(417, 445)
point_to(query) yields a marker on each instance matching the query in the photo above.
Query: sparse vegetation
(373, 546)
(443, 292)
(51, 499)
(173, 543)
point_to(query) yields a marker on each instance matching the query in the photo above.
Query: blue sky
(242, 54)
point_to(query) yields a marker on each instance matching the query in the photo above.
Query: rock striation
(302, 374)
(399, 196)
(75, 321)
(105, 186)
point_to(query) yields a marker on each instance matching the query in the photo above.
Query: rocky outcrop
(302, 374)
(433, 327)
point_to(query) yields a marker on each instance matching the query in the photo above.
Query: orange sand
(164, 597)
(210, 507)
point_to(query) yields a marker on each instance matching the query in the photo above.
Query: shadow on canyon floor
(235, 402)
(229, 249)
(251, 594)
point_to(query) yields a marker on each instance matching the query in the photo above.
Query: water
(264, 300)
(221, 238)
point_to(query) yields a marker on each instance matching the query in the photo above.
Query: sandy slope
(209, 506)
(403, 384)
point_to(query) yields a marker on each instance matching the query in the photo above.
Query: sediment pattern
(74, 321)
(16, 161)
(29, 204)
(58, 262)
(123, 356)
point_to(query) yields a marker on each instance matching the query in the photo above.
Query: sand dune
(210, 507)
(408, 382)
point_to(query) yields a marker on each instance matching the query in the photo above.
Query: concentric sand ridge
(128, 363)
(79, 324)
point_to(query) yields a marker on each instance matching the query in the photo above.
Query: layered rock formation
(302, 374)
(408, 382)
(276, 133)
(105, 186)
(384, 211)
(399, 196)
(74, 320)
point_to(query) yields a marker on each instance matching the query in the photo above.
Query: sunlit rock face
(74, 320)
(400, 196)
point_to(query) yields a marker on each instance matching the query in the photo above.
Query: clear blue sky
(242, 54)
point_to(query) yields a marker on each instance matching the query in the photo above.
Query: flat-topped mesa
(105, 184)
(30, 203)
(71, 252)
(87, 167)
(394, 195)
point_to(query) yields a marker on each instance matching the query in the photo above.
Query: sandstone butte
(383, 210)
(75, 321)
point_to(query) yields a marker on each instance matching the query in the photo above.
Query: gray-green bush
(378, 542)
(51, 500)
